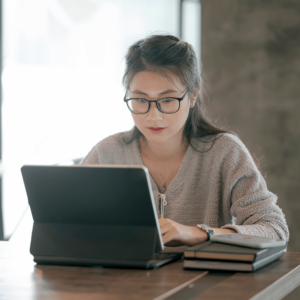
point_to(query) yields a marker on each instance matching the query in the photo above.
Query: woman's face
(153, 86)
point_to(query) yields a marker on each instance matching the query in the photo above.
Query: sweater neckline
(178, 180)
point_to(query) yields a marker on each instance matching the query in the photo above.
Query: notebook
(231, 265)
(217, 251)
(217, 256)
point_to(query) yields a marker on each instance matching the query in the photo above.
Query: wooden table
(21, 278)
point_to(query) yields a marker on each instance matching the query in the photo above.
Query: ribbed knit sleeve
(92, 157)
(110, 150)
(252, 205)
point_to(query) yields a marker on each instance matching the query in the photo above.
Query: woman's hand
(175, 234)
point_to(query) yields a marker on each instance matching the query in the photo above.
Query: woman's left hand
(175, 234)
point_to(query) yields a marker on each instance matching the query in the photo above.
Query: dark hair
(167, 53)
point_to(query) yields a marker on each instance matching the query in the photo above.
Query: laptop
(94, 215)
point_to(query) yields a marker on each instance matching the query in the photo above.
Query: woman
(199, 173)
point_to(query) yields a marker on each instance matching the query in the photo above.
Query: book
(223, 252)
(249, 241)
(230, 265)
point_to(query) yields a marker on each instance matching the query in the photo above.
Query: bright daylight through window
(62, 71)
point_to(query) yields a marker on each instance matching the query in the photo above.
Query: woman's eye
(167, 100)
(142, 100)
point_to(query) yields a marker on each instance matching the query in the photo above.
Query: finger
(163, 221)
(165, 228)
(169, 236)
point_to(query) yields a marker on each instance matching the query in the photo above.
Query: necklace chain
(163, 184)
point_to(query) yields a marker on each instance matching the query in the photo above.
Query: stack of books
(216, 256)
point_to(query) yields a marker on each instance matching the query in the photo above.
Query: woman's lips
(156, 129)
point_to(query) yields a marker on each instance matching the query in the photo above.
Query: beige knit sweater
(221, 187)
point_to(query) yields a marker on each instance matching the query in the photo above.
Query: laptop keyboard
(163, 256)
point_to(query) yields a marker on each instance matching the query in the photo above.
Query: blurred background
(62, 67)
(63, 61)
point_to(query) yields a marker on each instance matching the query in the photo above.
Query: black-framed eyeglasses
(167, 105)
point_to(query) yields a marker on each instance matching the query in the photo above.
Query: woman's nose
(154, 113)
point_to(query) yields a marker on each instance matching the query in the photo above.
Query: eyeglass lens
(140, 106)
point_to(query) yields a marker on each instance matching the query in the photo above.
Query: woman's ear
(194, 98)
(193, 101)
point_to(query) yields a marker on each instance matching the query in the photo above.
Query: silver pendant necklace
(163, 181)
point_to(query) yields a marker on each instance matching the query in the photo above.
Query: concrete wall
(251, 59)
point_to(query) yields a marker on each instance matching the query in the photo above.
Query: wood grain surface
(21, 278)
(271, 282)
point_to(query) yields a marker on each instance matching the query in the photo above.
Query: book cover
(230, 265)
(217, 251)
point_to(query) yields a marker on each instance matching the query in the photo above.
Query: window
(62, 70)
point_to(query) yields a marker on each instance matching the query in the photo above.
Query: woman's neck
(164, 152)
